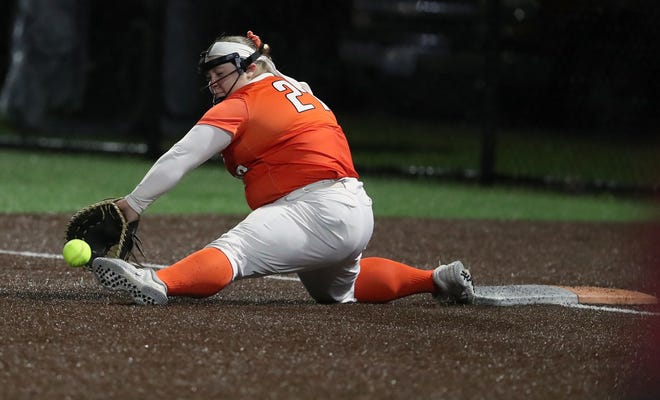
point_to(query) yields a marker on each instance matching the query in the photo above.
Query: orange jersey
(283, 139)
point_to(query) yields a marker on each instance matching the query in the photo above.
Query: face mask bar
(205, 66)
(241, 66)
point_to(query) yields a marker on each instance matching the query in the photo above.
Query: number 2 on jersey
(293, 96)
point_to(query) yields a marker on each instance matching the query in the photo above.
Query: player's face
(217, 78)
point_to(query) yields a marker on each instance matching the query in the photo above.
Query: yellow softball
(76, 252)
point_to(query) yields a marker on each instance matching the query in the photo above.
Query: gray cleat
(141, 283)
(454, 282)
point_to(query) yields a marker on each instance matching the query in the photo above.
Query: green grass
(59, 183)
(464, 201)
(578, 156)
(47, 182)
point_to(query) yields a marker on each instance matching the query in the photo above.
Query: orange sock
(201, 274)
(382, 280)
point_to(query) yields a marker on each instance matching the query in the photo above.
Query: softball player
(310, 214)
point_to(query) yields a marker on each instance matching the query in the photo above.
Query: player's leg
(381, 280)
(201, 274)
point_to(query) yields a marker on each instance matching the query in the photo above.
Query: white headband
(223, 48)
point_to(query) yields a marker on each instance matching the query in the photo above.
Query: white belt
(325, 183)
(322, 184)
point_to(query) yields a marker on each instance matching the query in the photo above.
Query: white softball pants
(318, 231)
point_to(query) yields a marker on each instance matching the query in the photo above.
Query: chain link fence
(537, 92)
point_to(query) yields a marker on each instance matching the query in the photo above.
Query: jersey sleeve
(197, 146)
(230, 115)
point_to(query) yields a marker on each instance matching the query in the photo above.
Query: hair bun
(255, 39)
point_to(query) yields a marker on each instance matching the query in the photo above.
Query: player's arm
(196, 147)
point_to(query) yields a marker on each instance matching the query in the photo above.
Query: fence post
(490, 98)
(150, 92)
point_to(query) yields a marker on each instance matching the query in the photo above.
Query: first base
(547, 294)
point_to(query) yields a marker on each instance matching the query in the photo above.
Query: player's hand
(128, 212)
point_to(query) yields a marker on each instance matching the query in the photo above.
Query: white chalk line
(611, 309)
(150, 265)
(287, 278)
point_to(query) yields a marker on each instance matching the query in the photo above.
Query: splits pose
(310, 213)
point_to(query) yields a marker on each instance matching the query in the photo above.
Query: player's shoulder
(234, 106)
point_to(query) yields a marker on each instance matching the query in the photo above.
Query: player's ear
(251, 70)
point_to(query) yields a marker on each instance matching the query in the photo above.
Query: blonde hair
(262, 66)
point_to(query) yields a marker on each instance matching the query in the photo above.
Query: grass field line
(288, 278)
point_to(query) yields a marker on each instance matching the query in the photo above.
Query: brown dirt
(62, 336)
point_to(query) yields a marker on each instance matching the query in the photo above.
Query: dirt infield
(62, 336)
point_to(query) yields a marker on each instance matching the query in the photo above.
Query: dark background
(586, 67)
(587, 64)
